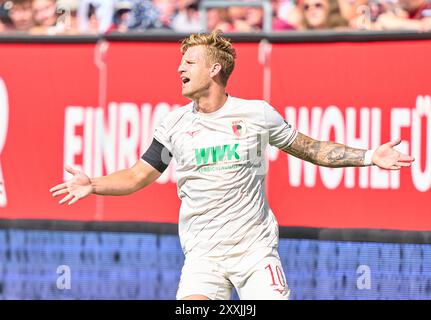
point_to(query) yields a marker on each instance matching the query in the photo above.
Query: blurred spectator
(250, 19)
(5, 21)
(281, 22)
(187, 18)
(354, 12)
(92, 23)
(167, 11)
(254, 18)
(322, 14)
(238, 18)
(414, 15)
(218, 18)
(143, 16)
(416, 9)
(237, 13)
(376, 8)
(21, 15)
(100, 16)
(288, 11)
(44, 16)
(67, 22)
(245, 19)
(121, 16)
(95, 16)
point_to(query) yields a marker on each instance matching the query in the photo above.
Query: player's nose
(181, 68)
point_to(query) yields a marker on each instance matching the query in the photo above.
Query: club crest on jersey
(238, 128)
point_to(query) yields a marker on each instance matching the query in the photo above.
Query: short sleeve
(281, 133)
(161, 134)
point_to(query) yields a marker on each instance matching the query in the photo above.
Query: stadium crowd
(52, 17)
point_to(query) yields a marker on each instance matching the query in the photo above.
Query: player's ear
(215, 69)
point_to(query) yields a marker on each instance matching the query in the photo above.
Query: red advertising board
(39, 81)
(361, 94)
(95, 107)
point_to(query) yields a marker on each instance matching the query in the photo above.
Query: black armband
(158, 156)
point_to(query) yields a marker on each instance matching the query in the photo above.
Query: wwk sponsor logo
(216, 154)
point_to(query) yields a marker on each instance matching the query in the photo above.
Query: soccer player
(228, 232)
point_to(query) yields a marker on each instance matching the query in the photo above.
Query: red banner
(361, 94)
(95, 107)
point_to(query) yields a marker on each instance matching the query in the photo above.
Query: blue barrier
(110, 265)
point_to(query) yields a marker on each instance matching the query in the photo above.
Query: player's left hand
(386, 157)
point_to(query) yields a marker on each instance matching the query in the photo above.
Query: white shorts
(256, 275)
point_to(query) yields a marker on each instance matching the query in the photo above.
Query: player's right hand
(77, 188)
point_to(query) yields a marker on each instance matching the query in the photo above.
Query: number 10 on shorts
(277, 277)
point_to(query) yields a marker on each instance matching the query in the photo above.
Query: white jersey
(221, 172)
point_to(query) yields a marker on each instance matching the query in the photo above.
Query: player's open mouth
(184, 80)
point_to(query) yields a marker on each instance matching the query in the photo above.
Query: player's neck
(211, 102)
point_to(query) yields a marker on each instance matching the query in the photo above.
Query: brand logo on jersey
(216, 154)
(4, 115)
(193, 133)
(238, 127)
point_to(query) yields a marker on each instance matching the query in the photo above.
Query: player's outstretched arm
(122, 182)
(335, 155)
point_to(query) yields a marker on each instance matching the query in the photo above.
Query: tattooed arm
(336, 155)
(326, 153)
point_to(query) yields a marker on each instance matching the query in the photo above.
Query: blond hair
(219, 50)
